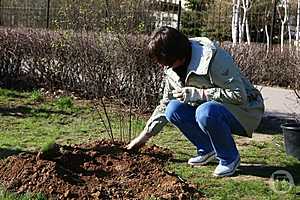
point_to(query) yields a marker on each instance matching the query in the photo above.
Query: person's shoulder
(204, 41)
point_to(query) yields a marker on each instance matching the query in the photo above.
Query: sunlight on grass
(36, 96)
(64, 102)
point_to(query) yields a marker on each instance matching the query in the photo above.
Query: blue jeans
(208, 126)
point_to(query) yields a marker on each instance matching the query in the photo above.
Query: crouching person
(205, 96)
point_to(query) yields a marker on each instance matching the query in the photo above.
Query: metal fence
(89, 14)
(209, 18)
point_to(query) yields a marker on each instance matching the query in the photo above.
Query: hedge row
(91, 65)
(115, 66)
(275, 68)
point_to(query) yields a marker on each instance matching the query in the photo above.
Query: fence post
(179, 15)
(48, 13)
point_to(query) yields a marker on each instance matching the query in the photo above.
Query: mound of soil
(99, 170)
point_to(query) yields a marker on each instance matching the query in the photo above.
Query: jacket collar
(203, 50)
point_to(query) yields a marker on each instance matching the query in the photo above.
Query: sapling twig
(108, 128)
(108, 119)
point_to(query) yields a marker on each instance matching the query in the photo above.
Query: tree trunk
(298, 26)
(245, 25)
(235, 20)
(283, 22)
(233, 29)
(242, 28)
(248, 33)
(268, 38)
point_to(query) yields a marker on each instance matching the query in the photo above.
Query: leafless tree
(298, 26)
(235, 20)
(246, 6)
(284, 20)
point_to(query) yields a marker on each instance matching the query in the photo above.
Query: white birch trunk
(288, 24)
(248, 33)
(283, 22)
(268, 38)
(298, 26)
(233, 24)
(290, 34)
(240, 27)
(246, 5)
(235, 21)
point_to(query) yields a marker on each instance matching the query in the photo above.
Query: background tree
(284, 19)
(235, 21)
(298, 25)
(246, 6)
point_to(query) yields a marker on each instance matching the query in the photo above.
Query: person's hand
(189, 94)
(137, 142)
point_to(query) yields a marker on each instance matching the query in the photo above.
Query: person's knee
(206, 114)
(174, 107)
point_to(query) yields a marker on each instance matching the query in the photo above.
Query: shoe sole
(209, 159)
(228, 173)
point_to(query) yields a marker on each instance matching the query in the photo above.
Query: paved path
(281, 103)
(281, 106)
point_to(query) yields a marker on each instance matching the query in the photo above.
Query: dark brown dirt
(100, 170)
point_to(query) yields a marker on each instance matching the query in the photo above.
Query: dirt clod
(99, 170)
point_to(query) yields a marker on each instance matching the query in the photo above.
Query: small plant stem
(108, 120)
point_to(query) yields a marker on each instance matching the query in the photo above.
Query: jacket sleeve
(228, 80)
(158, 119)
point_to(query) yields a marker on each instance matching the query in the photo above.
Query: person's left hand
(189, 95)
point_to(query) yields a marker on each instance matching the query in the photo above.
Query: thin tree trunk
(283, 22)
(281, 37)
(288, 24)
(240, 28)
(235, 20)
(298, 26)
(248, 33)
(246, 5)
(268, 38)
(290, 34)
(233, 27)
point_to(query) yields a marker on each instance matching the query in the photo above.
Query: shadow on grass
(26, 111)
(4, 152)
(182, 160)
(271, 124)
(14, 95)
(265, 171)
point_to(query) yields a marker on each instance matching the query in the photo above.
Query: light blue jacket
(213, 69)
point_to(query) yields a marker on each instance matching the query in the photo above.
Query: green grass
(29, 121)
(4, 195)
(36, 96)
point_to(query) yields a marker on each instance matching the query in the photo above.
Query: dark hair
(167, 44)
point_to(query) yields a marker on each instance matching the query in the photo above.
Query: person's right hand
(137, 142)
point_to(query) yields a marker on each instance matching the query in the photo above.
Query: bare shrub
(93, 65)
(270, 69)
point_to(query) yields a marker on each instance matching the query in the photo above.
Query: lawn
(29, 121)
